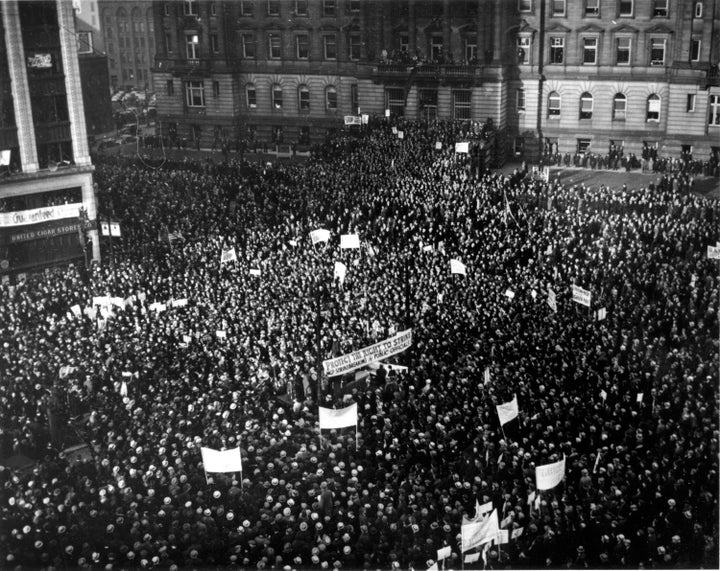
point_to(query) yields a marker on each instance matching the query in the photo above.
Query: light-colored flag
(507, 411)
(516, 532)
(338, 418)
(639, 397)
(349, 241)
(580, 295)
(319, 235)
(549, 475)
(254, 272)
(221, 460)
(228, 256)
(478, 533)
(552, 300)
(457, 267)
(444, 553)
(510, 294)
(463, 147)
(340, 271)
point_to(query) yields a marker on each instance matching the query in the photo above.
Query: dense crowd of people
(630, 400)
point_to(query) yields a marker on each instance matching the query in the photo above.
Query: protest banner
(516, 532)
(373, 353)
(221, 460)
(365, 118)
(401, 134)
(438, 145)
(549, 475)
(254, 272)
(486, 379)
(580, 295)
(179, 302)
(713, 252)
(339, 272)
(601, 314)
(353, 120)
(508, 411)
(462, 147)
(228, 256)
(457, 267)
(477, 533)
(349, 241)
(503, 536)
(639, 397)
(444, 553)
(552, 300)
(472, 557)
(338, 418)
(319, 235)
(76, 310)
(510, 294)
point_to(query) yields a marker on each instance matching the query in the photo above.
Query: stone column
(498, 22)
(19, 87)
(412, 28)
(446, 29)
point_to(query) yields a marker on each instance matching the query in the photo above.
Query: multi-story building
(550, 74)
(47, 201)
(128, 34)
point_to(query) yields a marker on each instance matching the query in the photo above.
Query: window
(329, 8)
(583, 145)
(695, 45)
(213, 9)
(525, 5)
(301, 43)
(246, 8)
(354, 101)
(557, 50)
(216, 89)
(301, 7)
(586, 106)
(558, 7)
(436, 47)
(653, 108)
(657, 51)
(625, 8)
(354, 5)
(303, 98)
(395, 100)
(168, 43)
(592, 8)
(251, 96)
(166, 9)
(191, 8)
(170, 87)
(192, 46)
(660, 8)
(698, 9)
(520, 100)
(214, 43)
(471, 50)
(590, 51)
(554, 104)
(355, 45)
(404, 43)
(331, 98)
(690, 107)
(619, 106)
(274, 42)
(277, 134)
(523, 49)
(248, 46)
(195, 94)
(714, 115)
(304, 138)
(273, 7)
(330, 46)
(461, 104)
(85, 45)
(622, 51)
(277, 96)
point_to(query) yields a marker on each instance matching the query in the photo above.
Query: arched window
(251, 95)
(653, 108)
(619, 107)
(331, 98)
(303, 98)
(586, 106)
(277, 96)
(554, 104)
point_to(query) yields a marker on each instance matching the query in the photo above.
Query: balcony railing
(440, 71)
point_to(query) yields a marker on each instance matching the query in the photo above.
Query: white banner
(506, 412)
(221, 460)
(319, 235)
(76, 310)
(228, 256)
(179, 302)
(4, 157)
(373, 353)
(713, 252)
(462, 147)
(444, 553)
(552, 300)
(601, 314)
(457, 267)
(39, 215)
(580, 295)
(114, 229)
(339, 271)
(516, 532)
(438, 145)
(254, 272)
(338, 418)
(349, 241)
(478, 533)
(353, 120)
(549, 475)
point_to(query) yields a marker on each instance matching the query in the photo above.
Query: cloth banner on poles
(228, 256)
(221, 460)
(580, 295)
(362, 357)
(478, 533)
(507, 411)
(349, 241)
(352, 120)
(457, 267)
(549, 475)
(338, 418)
(319, 235)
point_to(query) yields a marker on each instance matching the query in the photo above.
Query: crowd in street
(630, 401)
